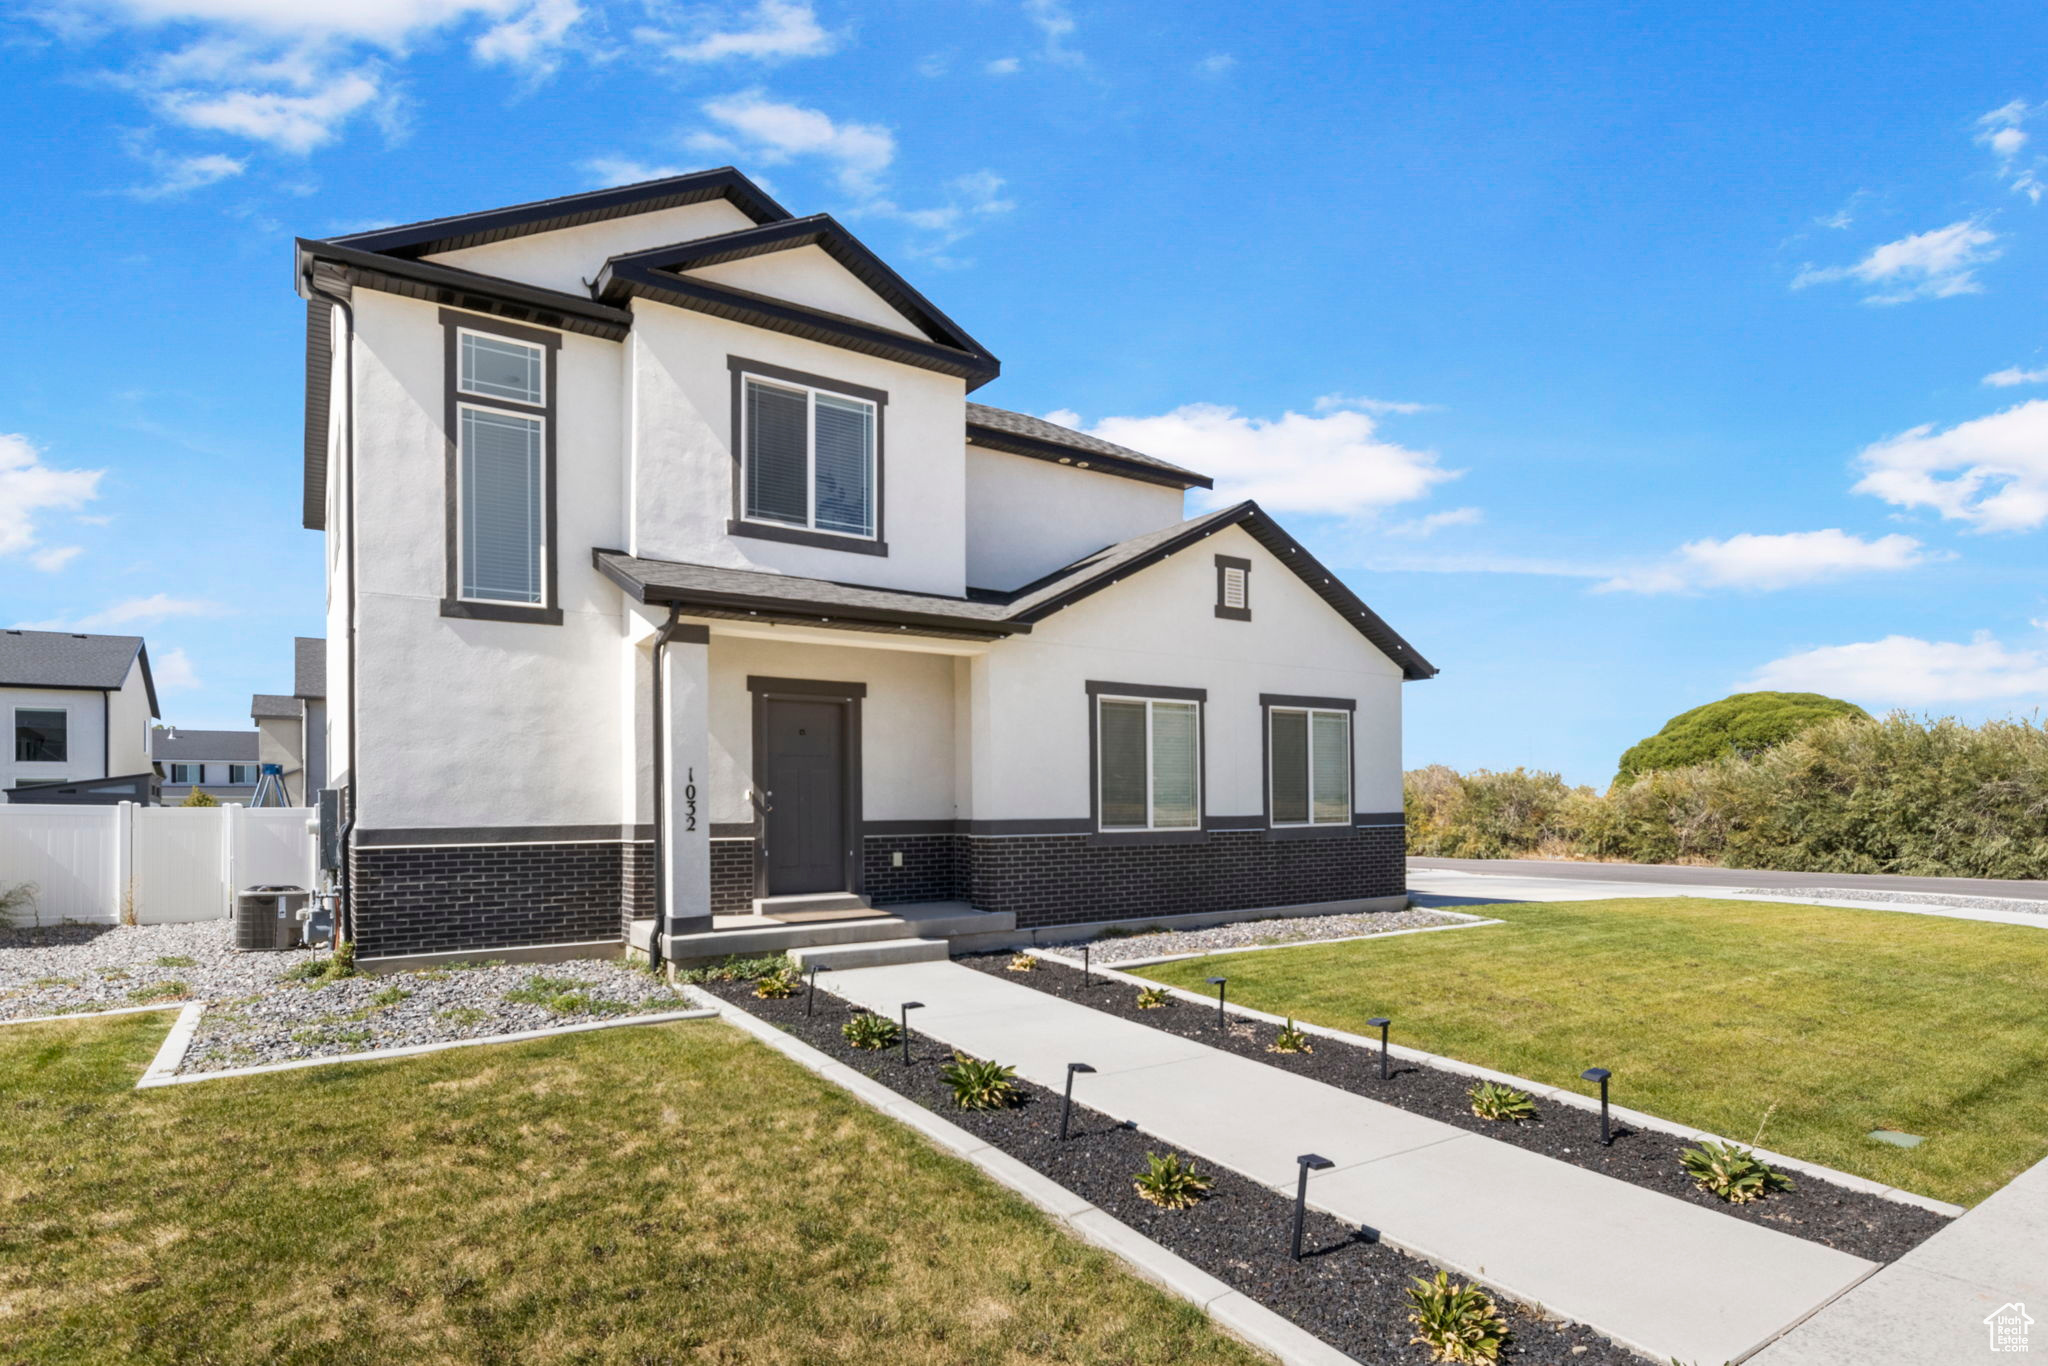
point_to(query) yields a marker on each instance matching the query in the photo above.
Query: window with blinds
(1308, 752)
(501, 507)
(1148, 752)
(809, 458)
(498, 367)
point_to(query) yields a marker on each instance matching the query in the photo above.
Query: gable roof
(69, 660)
(309, 667)
(999, 429)
(233, 746)
(705, 590)
(270, 706)
(660, 274)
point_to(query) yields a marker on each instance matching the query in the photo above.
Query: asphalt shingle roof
(229, 746)
(309, 667)
(60, 659)
(1038, 431)
(266, 706)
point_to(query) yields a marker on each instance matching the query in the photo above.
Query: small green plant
(113, 974)
(979, 1085)
(1023, 962)
(176, 960)
(160, 991)
(199, 797)
(318, 972)
(562, 996)
(777, 986)
(1456, 1322)
(734, 968)
(1171, 1182)
(1491, 1100)
(1290, 1040)
(1731, 1172)
(462, 1015)
(54, 982)
(870, 1031)
(1152, 998)
(390, 996)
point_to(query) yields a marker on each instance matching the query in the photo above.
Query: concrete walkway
(1686, 874)
(1665, 1277)
(1929, 1306)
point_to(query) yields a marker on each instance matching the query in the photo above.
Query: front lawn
(1811, 1024)
(652, 1195)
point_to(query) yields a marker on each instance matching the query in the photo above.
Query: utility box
(330, 829)
(267, 918)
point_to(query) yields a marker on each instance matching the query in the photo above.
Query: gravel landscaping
(1348, 1290)
(66, 969)
(1289, 929)
(1863, 1225)
(1950, 899)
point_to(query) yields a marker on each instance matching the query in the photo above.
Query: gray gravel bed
(66, 969)
(1949, 899)
(1293, 929)
(292, 1020)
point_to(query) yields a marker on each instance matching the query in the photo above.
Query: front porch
(898, 934)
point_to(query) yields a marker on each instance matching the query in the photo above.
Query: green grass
(1831, 1022)
(667, 1194)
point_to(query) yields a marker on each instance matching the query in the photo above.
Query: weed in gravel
(390, 996)
(113, 974)
(1491, 1100)
(176, 960)
(1290, 1040)
(160, 991)
(1171, 1182)
(1732, 1172)
(1118, 932)
(318, 972)
(1152, 998)
(462, 1015)
(869, 1031)
(48, 982)
(979, 1085)
(1456, 1322)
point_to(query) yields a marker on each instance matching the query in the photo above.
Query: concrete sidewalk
(1665, 1277)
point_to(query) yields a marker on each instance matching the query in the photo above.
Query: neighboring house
(672, 572)
(294, 729)
(222, 763)
(77, 710)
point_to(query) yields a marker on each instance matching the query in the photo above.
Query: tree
(1744, 725)
(198, 797)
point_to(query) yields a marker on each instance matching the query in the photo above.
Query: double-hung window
(242, 775)
(500, 410)
(1148, 763)
(188, 773)
(41, 736)
(1309, 761)
(808, 457)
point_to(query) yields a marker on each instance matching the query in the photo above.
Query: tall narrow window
(809, 458)
(501, 506)
(1149, 752)
(499, 390)
(40, 736)
(1308, 753)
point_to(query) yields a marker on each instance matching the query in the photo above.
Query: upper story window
(242, 774)
(1148, 760)
(809, 459)
(498, 367)
(1233, 588)
(41, 736)
(1308, 753)
(500, 414)
(188, 773)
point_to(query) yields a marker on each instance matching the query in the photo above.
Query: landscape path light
(1601, 1074)
(903, 1026)
(1220, 983)
(1381, 1023)
(1308, 1162)
(811, 996)
(1067, 1102)
(1087, 973)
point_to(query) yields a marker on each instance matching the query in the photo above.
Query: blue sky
(1621, 356)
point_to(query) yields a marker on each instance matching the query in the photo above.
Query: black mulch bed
(1348, 1289)
(1862, 1225)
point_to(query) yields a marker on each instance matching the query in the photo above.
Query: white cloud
(132, 612)
(28, 486)
(1909, 671)
(290, 122)
(531, 39)
(1004, 66)
(1333, 402)
(774, 30)
(1056, 23)
(2001, 131)
(55, 558)
(174, 671)
(1763, 562)
(2012, 374)
(1334, 464)
(1991, 472)
(1421, 528)
(182, 175)
(1215, 64)
(857, 153)
(1938, 264)
(608, 171)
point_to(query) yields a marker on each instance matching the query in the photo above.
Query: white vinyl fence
(158, 865)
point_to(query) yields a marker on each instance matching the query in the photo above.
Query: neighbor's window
(41, 737)
(498, 367)
(242, 773)
(1149, 752)
(809, 458)
(501, 508)
(1310, 754)
(188, 773)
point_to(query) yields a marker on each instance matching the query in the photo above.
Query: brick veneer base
(459, 897)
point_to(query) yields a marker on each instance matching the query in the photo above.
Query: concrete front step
(811, 903)
(922, 920)
(881, 953)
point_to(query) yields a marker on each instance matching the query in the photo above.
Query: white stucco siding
(1026, 518)
(564, 259)
(85, 731)
(128, 720)
(809, 276)
(681, 466)
(906, 723)
(1159, 628)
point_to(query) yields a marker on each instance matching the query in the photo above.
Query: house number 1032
(690, 800)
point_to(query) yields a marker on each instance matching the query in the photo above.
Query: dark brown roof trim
(818, 230)
(319, 398)
(569, 211)
(1013, 443)
(455, 288)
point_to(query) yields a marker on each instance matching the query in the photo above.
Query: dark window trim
(1312, 830)
(64, 712)
(740, 525)
(847, 695)
(1225, 563)
(548, 611)
(1097, 690)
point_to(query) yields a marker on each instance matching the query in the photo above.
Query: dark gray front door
(803, 786)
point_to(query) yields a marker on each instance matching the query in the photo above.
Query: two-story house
(673, 576)
(220, 763)
(292, 729)
(77, 708)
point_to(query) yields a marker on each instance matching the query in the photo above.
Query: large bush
(1849, 795)
(1744, 725)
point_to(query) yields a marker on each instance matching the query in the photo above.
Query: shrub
(15, 899)
(1290, 1040)
(777, 986)
(1744, 725)
(979, 1085)
(198, 797)
(1171, 1182)
(1455, 1321)
(870, 1031)
(734, 968)
(1152, 998)
(1023, 962)
(1731, 1172)
(1491, 1100)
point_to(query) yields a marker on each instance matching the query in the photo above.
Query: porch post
(686, 779)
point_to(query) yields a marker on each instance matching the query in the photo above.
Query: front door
(802, 772)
